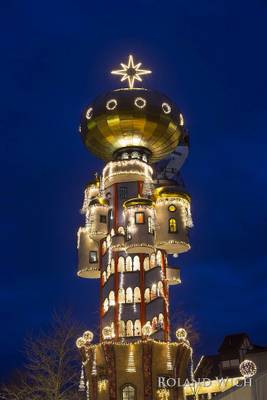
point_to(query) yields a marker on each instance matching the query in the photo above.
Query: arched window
(104, 277)
(121, 296)
(153, 291)
(161, 320)
(137, 295)
(146, 263)
(154, 323)
(160, 289)
(137, 328)
(108, 271)
(128, 263)
(152, 260)
(147, 295)
(111, 298)
(121, 328)
(129, 295)
(105, 305)
(104, 247)
(112, 329)
(112, 266)
(108, 241)
(121, 264)
(129, 328)
(172, 225)
(136, 263)
(128, 392)
(121, 230)
(159, 258)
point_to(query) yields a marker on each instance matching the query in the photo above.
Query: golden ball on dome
(88, 336)
(80, 342)
(132, 118)
(181, 334)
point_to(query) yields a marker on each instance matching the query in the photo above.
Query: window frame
(124, 387)
(90, 257)
(169, 225)
(135, 220)
(123, 192)
(102, 217)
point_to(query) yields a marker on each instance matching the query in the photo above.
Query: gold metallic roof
(167, 191)
(109, 126)
(138, 201)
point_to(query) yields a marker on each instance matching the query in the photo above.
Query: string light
(102, 385)
(89, 113)
(163, 394)
(140, 102)
(181, 334)
(131, 72)
(87, 391)
(111, 104)
(82, 382)
(166, 108)
(248, 368)
(131, 366)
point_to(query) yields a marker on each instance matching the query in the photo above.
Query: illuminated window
(137, 328)
(128, 392)
(129, 295)
(172, 208)
(147, 295)
(129, 328)
(144, 157)
(172, 225)
(93, 257)
(137, 295)
(181, 120)
(135, 154)
(104, 247)
(104, 277)
(160, 288)
(89, 113)
(153, 291)
(136, 263)
(159, 258)
(166, 108)
(121, 264)
(123, 192)
(105, 305)
(108, 271)
(125, 156)
(128, 264)
(140, 217)
(140, 102)
(121, 296)
(111, 298)
(161, 320)
(150, 225)
(121, 230)
(146, 263)
(112, 266)
(121, 328)
(112, 232)
(111, 104)
(152, 260)
(103, 219)
(154, 323)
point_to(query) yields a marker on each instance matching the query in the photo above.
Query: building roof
(233, 343)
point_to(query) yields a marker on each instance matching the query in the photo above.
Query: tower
(137, 212)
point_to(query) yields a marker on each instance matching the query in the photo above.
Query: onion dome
(132, 117)
(98, 201)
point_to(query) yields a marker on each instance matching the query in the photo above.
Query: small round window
(140, 102)
(172, 208)
(111, 104)
(166, 108)
(89, 113)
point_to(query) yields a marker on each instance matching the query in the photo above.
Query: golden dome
(137, 118)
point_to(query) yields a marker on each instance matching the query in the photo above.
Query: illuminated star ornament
(131, 72)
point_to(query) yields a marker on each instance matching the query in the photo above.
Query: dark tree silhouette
(52, 367)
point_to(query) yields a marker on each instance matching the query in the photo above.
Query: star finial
(131, 72)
